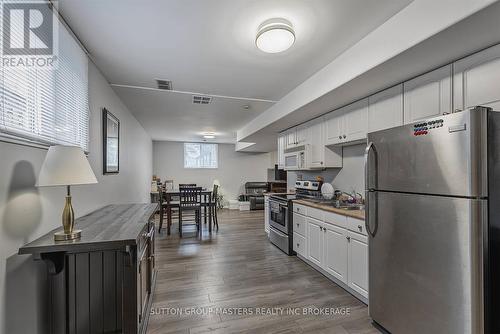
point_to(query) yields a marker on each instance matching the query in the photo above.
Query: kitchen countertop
(358, 214)
(275, 193)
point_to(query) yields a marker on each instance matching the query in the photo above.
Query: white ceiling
(208, 47)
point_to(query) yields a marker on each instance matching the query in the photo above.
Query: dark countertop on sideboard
(112, 226)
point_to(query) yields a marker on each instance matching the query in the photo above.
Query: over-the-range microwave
(296, 157)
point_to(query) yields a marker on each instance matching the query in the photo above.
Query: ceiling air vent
(164, 84)
(200, 99)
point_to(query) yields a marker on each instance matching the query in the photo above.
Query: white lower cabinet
(315, 241)
(357, 275)
(337, 245)
(299, 244)
(335, 248)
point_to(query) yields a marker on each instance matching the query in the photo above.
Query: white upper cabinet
(348, 124)
(385, 109)
(333, 128)
(290, 138)
(475, 80)
(301, 135)
(281, 151)
(428, 95)
(296, 136)
(356, 121)
(316, 134)
(320, 155)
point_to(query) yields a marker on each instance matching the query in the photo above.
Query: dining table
(206, 203)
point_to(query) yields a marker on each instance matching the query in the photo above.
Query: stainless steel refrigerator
(433, 218)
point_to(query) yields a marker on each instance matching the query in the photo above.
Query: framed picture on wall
(111, 142)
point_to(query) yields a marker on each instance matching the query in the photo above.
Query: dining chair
(168, 208)
(190, 200)
(214, 203)
(187, 185)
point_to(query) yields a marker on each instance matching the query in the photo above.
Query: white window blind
(48, 106)
(199, 155)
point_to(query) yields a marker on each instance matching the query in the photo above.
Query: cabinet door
(428, 95)
(358, 263)
(356, 121)
(281, 152)
(385, 109)
(475, 80)
(333, 129)
(314, 241)
(317, 136)
(335, 248)
(301, 135)
(143, 284)
(291, 138)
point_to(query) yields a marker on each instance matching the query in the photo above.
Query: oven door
(278, 216)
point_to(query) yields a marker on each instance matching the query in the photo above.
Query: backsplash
(349, 178)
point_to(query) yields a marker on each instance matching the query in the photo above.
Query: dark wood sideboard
(102, 283)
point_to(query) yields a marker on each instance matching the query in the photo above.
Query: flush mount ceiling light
(275, 35)
(209, 135)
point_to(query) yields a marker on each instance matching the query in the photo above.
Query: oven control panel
(423, 128)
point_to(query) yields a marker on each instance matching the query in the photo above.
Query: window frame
(12, 136)
(200, 143)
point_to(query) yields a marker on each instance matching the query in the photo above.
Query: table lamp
(66, 166)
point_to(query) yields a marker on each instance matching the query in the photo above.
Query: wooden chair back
(187, 185)
(190, 196)
(215, 193)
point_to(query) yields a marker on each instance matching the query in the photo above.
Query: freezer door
(442, 155)
(425, 263)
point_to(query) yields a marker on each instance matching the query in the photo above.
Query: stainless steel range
(280, 213)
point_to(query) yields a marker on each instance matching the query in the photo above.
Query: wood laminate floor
(235, 281)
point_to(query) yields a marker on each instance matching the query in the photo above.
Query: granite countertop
(358, 214)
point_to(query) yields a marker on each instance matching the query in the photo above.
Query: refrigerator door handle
(369, 148)
(369, 190)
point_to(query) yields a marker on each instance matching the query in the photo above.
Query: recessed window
(200, 155)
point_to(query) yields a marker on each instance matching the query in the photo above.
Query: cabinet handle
(297, 224)
(348, 238)
(344, 136)
(360, 227)
(340, 137)
(324, 229)
(320, 228)
(298, 244)
(321, 162)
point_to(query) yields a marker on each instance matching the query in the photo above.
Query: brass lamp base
(61, 236)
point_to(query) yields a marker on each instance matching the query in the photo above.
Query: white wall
(234, 170)
(27, 212)
(348, 178)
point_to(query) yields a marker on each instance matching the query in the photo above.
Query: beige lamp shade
(65, 166)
